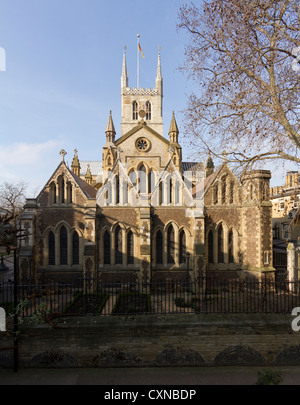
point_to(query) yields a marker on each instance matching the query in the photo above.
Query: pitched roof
(192, 166)
(95, 167)
(89, 191)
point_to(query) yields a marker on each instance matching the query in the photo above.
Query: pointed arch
(142, 178)
(220, 244)
(135, 111)
(171, 245)
(148, 110)
(75, 248)
(118, 245)
(182, 246)
(130, 247)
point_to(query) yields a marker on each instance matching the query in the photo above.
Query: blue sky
(63, 69)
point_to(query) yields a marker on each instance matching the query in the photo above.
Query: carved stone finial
(63, 153)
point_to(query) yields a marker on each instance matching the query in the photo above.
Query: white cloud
(27, 161)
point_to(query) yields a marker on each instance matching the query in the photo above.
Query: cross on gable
(62, 154)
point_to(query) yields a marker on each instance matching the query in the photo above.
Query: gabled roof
(137, 128)
(88, 191)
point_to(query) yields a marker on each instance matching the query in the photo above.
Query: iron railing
(206, 295)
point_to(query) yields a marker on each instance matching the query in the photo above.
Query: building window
(210, 247)
(63, 243)
(117, 189)
(53, 193)
(281, 205)
(70, 196)
(170, 190)
(171, 245)
(223, 190)
(230, 247)
(51, 249)
(231, 192)
(151, 182)
(75, 248)
(142, 179)
(62, 191)
(118, 246)
(132, 177)
(220, 245)
(285, 231)
(148, 111)
(216, 194)
(182, 247)
(159, 248)
(251, 192)
(130, 248)
(161, 192)
(135, 111)
(106, 247)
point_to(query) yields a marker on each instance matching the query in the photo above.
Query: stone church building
(141, 213)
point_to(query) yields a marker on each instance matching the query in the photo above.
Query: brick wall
(181, 340)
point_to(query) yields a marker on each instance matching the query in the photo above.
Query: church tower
(134, 100)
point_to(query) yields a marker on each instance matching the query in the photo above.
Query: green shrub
(269, 377)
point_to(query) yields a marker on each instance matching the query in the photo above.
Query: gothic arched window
(118, 246)
(117, 189)
(142, 179)
(223, 190)
(159, 247)
(135, 111)
(63, 244)
(171, 245)
(62, 191)
(216, 192)
(75, 248)
(51, 249)
(148, 110)
(210, 246)
(130, 248)
(182, 247)
(231, 192)
(53, 193)
(220, 245)
(106, 247)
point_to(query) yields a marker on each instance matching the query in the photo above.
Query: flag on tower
(141, 50)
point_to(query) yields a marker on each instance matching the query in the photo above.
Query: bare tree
(12, 200)
(246, 97)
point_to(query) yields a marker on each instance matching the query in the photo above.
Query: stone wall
(181, 340)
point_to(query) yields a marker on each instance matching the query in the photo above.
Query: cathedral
(141, 214)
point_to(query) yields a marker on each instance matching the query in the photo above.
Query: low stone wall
(145, 341)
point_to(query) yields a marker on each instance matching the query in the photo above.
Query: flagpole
(138, 60)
